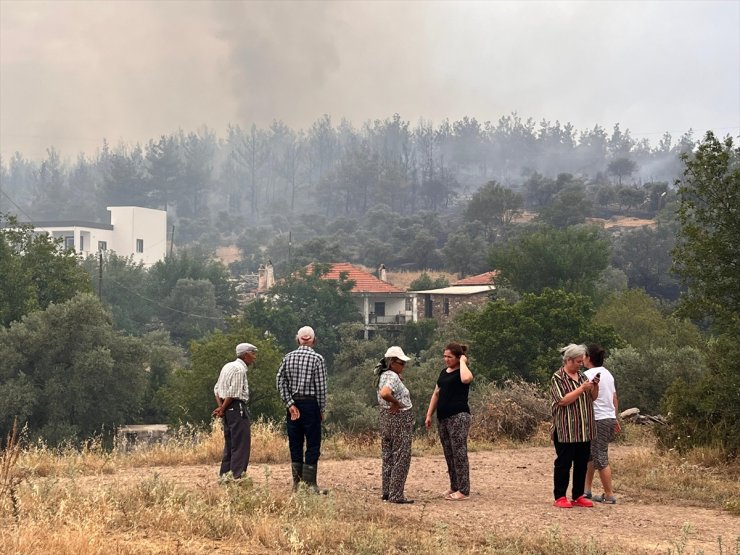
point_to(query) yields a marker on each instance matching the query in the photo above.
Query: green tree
(636, 318)
(706, 257)
(191, 310)
(571, 259)
(163, 358)
(35, 271)
(464, 255)
(66, 373)
(622, 167)
(189, 394)
(425, 282)
(644, 376)
(644, 255)
(124, 287)
(305, 298)
(704, 406)
(708, 252)
(569, 207)
(196, 264)
(522, 339)
(495, 207)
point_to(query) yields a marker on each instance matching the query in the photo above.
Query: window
(380, 309)
(409, 304)
(140, 245)
(428, 306)
(82, 243)
(102, 245)
(447, 306)
(69, 241)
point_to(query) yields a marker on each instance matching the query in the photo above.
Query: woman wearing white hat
(396, 424)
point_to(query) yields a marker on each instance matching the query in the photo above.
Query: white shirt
(398, 389)
(604, 404)
(232, 381)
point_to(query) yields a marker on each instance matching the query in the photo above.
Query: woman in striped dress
(573, 425)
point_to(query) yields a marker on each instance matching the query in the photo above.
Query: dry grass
(54, 512)
(155, 516)
(701, 477)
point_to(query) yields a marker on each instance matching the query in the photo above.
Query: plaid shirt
(302, 372)
(232, 381)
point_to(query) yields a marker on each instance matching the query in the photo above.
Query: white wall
(132, 223)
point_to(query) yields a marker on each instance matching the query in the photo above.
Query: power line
(165, 306)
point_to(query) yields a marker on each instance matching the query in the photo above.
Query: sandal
(457, 496)
(611, 500)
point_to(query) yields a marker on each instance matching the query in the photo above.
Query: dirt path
(511, 493)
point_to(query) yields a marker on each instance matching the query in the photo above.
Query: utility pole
(100, 275)
(290, 244)
(172, 240)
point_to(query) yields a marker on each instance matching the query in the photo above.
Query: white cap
(396, 352)
(306, 333)
(242, 348)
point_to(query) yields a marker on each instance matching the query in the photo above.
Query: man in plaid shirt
(301, 382)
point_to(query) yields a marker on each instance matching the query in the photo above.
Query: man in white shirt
(606, 407)
(232, 393)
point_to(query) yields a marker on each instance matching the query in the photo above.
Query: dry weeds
(55, 510)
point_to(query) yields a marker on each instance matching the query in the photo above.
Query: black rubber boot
(309, 476)
(297, 469)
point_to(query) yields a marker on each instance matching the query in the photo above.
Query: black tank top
(453, 394)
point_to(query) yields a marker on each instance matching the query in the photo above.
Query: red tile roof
(480, 279)
(364, 282)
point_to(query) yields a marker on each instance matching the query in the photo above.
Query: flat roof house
(133, 231)
(443, 303)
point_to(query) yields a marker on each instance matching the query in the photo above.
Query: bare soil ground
(511, 494)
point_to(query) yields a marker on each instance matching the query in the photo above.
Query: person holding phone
(573, 425)
(606, 407)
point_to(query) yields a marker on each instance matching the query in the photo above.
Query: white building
(133, 231)
(382, 304)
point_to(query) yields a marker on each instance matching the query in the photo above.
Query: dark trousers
(453, 434)
(237, 440)
(308, 428)
(396, 433)
(567, 455)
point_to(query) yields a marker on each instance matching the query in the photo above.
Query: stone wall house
(445, 302)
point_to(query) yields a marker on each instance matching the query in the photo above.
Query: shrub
(643, 377)
(706, 411)
(349, 413)
(514, 411)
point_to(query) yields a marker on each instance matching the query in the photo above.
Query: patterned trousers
(395, 444)
(453, 433)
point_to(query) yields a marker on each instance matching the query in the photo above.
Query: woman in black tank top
(450, 401)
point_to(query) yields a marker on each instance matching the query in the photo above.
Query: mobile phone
(597, 376)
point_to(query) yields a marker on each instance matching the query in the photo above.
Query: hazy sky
(72, 73)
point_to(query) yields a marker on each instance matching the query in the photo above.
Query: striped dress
(575, 422)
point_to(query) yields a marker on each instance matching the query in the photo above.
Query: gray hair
(572, 351)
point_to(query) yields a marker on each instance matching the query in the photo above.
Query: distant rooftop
(67, 224)
(459, 290)
(481, 279)
(365, 282)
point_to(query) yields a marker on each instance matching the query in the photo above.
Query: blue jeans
(307, 427)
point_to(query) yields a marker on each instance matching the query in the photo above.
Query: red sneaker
(563, 503)
(582, 502)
